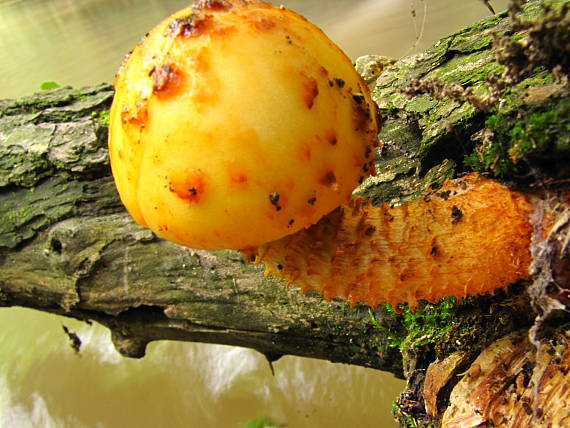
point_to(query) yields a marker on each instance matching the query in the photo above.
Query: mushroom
(472, 236)
(239, 124)
(235, 123)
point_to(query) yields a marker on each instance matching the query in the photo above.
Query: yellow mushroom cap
(236, 123)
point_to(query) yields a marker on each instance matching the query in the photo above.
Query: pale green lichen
(370, 67)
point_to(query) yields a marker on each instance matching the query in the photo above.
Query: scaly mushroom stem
(471, 237)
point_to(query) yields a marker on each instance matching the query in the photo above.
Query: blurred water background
(44, 383)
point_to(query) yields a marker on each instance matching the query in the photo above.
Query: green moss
(518, 36)
(394, 340)
(512, 142)
(475, 37)
(428, 324)
(533, 135)
(407, 420)
(492, 153)
(25, 212)
(101, 116)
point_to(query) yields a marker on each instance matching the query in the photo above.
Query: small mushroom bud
(235, 123)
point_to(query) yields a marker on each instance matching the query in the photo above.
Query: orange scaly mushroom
(238, 124)
(470, 237)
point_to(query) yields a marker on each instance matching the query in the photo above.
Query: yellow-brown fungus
(223, 120)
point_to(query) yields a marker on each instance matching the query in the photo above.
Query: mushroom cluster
(239, 124)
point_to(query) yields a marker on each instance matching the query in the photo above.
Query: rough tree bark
(67, 246)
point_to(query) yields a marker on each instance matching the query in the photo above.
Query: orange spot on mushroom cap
(216, 5)
(331, 137)
(206, 88)
(305, 152)
(237, 174)
(167, 80)
(191, 25)
(262, 23)
(328, 178)
(136, 115)
(190, 188)
(361, 112)
(201, 62)
(238, 179)
(310, 90)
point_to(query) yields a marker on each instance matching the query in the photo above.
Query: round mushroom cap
(236, 123)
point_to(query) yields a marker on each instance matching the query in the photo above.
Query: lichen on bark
(428, 138)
